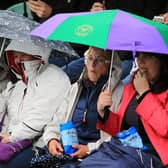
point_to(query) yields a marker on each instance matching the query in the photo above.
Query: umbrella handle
(111, 70)
(106, 113)
(2, 46)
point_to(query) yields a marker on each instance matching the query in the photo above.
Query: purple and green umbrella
(108, 29)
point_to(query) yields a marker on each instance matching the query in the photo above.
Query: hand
(104, 100)
(97, 6)
(140, 83)
(5, 138)
(165, 16)
(81, 151)
(55, 147)
(40, 8)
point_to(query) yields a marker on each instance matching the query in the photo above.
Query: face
(97, 64)
(20, 56)
(150, 65)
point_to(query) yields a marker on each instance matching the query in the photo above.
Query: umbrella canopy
(108, 29)
(14, 26)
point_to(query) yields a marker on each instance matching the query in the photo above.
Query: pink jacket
(153, 111)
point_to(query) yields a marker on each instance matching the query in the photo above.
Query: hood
(27, 47)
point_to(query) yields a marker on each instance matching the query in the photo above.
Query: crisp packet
(68, 136)
(131, 138)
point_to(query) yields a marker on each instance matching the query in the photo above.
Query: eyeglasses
(101, 60)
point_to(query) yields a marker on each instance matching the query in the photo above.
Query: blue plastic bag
(131, 138)
(68, 136)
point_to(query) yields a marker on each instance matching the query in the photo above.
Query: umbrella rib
(111, 69)
(2, 46)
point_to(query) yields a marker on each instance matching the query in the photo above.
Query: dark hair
(162, 83)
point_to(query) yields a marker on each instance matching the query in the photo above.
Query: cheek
(104, 71)
(94, 75)
(154, 71)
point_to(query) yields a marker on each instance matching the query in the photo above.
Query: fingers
(75, 154)
(42, 9)
(105, 99)
(140, 74)
(140, 82)
(55, 147)
(81, 151)
(5, 139)
(34, 5)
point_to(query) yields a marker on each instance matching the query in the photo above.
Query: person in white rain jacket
(30, 102)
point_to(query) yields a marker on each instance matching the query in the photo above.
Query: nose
(94, 63)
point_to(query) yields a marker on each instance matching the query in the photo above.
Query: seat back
(19, 8)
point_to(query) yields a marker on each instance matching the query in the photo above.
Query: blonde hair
(106, 54)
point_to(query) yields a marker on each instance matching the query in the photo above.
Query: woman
(81, 103)
(144, 105)
(32, 100)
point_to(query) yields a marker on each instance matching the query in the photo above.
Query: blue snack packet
(68, 136)
(131, 138)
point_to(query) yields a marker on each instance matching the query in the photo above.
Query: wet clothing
(28, 104)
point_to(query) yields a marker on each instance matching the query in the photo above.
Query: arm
(153, 110)
(3, 101)
(52, 130)
(63, 114)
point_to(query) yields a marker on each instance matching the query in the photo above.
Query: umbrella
(14, 26)
(108, 29)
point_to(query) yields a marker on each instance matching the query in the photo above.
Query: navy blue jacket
(85, 114)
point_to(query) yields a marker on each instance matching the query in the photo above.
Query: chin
(93, 80)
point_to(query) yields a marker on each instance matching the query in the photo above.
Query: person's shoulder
(52, 70)
(53, 73)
